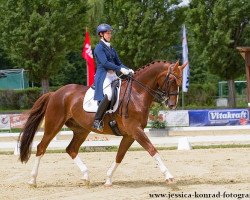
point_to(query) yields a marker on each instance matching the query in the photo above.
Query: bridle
(161, 94)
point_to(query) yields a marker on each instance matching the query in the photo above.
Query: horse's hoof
(86, 182)
(32, 184)
(170, 180)
(108, 184)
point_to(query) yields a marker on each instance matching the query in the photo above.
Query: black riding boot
(102, 108)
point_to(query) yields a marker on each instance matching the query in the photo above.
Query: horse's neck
(147, 84)
(148, 77)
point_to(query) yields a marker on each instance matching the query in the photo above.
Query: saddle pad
(90, 105)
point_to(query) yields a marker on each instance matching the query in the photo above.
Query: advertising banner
(4, 122)
(219, 117)
(177, 118)
(18, 120)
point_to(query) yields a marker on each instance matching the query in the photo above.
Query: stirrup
(98, 125)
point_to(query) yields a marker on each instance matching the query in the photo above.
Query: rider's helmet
(103, 28)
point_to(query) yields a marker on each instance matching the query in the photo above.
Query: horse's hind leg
(79, 136)
(50, 131)
(126, 142)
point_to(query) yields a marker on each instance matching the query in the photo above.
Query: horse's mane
(149, 65)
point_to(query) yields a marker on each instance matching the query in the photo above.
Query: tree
(144, 30)
(216, 28)
(5, 62)
(72, 72)
(39, 34)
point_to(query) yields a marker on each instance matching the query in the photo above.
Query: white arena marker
(183, 144)
(248, 104)
(16, 150)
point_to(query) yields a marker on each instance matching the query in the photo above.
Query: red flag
(88, 56)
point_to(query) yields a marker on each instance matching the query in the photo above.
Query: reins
(129, 85)
(159, 94)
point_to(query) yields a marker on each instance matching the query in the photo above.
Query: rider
(108, 63)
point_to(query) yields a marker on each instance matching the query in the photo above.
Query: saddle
(91, 105)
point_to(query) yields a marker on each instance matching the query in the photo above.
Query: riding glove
(125, 71)
(131, 71)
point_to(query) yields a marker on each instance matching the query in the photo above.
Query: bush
(157, 120)
(200, 95)
(19, 99)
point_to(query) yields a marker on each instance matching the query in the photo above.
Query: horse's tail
(35, 117)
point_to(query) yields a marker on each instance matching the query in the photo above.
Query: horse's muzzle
(170, 105)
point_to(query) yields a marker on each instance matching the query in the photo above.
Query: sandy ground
(197, 173)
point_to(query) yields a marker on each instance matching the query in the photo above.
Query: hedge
(198, 95)
(201, 95)
(19, 99)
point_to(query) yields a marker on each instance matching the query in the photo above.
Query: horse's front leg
(126, 142)
(140, 136)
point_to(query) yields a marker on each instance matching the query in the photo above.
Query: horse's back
(67, 95)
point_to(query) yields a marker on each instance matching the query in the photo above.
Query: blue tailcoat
(106, 59)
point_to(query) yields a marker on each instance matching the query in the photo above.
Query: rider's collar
(107, 43)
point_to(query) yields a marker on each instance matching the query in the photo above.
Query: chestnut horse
(159, 79)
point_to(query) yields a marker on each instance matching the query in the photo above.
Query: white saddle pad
(90, 105)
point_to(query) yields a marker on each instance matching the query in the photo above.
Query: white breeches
(107, 84)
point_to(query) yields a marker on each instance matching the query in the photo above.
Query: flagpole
(182, 100)
(87, 71)
(185, 76)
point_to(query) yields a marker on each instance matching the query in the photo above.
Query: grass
(13, 130)
(115, 149)
(6, 111)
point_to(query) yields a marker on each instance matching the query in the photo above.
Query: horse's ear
(176, 65)
(183, 66)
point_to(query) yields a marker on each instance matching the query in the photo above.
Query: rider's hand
(125, 71)
(131, 71)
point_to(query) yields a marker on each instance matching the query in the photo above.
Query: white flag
(185, 79)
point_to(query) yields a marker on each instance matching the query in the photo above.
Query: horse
(158, 80)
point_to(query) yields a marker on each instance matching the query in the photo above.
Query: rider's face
(107, 35)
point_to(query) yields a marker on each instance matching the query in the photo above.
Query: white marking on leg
(82, 167)
(163, 168)
(34, 171)
(110, 173)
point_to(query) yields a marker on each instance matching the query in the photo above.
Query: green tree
(74, 71)
(95, 15)
(5, 62)
(216, 28)
(144, 30)
(39, 34)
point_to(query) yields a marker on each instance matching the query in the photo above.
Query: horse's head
(169, 82)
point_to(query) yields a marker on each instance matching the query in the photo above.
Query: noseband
(162, 95)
